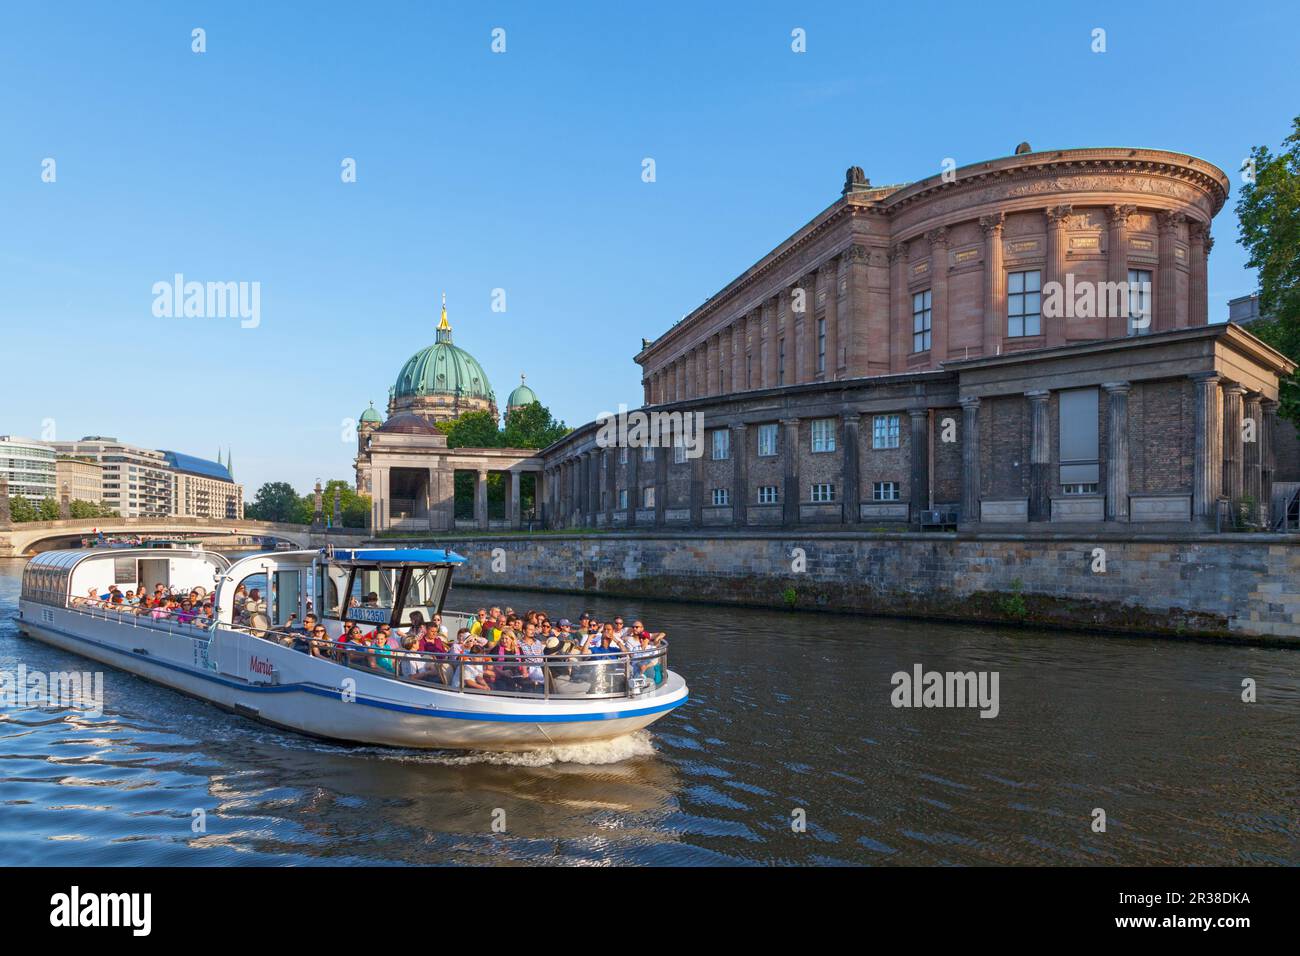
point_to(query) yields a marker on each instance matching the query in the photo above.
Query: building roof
(196, 466)
(409, 423)
(371, 415)
(442, 369)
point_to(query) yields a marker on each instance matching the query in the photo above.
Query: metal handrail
(446, 670)
(142, 617)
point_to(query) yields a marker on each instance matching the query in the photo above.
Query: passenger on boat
(320, 644)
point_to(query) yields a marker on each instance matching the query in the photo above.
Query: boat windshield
(375, 591)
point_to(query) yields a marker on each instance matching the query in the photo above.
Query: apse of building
(898, 356)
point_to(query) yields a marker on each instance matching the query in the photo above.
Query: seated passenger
(320, 644)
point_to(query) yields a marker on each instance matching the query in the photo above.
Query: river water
(789, 751)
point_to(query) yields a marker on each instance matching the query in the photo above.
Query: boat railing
(489, 672)
(199, 626)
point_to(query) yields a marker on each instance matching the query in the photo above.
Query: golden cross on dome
(443, 326)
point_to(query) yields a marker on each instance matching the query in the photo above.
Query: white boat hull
(290, 689)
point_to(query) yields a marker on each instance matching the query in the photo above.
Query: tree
(1269, 213)
(20, 509)
(472, 430)
(532, 426)
(355, 507)
(78, 508)
(277, 501)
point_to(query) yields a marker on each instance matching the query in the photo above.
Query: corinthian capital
(1118, 215)
(992, 223)
(1169, 221)
(938, 237)
(1056, 215)
(898, 251)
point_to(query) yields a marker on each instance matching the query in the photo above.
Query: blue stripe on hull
(367, 701)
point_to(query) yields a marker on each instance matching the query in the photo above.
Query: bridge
(26, 537)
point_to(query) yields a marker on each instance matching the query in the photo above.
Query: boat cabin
(65, 578)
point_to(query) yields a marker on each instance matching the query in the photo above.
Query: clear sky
(518, 171)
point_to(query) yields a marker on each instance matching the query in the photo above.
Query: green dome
(442, 369)
(523, 395)
(371, 415)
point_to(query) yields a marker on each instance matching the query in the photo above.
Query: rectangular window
(622, 499)
(721, 444)
(884, 431)
(648, 453)
(721, 496)
(823, 434)
(649, 496)
(821, 345)
(921, 321)
(1080, 488)
(1079, 438)
(823, 493)
(884, 491)
(622, 455)
(1139, 302)
(749, 371)
(780, 362)
(766, 441)
(1024, 304)
(679, 453)
(767, 495)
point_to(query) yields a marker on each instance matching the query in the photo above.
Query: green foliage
(1013, 605)
(1269, 214)
(277, 501)
(532, 426)
(90, 509)
(355, 508)
(790, 596)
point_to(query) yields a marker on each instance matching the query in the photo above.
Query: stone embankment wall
(1221, 586)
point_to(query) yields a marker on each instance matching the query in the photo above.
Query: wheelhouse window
(1024, 304)
(1139, 302)
(884, 491)
(823, 434)
(1079, 440)
(822, 493)
(884, 431)
(766, 441)
(921, 321)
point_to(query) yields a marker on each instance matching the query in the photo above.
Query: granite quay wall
(1237, 587)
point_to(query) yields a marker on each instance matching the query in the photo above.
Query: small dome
(371, 416)
(409, 423)
(521, 396)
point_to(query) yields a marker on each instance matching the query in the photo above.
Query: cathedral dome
(371, 416)
(443, 369)
(521, 396)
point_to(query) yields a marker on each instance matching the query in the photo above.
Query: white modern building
(28, 467)
(137, 482)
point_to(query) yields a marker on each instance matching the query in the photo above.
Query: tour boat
(250, 661)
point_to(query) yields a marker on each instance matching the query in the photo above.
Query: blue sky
(519, 171)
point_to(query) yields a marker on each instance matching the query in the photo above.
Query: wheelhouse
(383, 586)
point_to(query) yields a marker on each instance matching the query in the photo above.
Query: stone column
(900, 342)
(808, 343)
(611, 486)
(1252, 462)
(6, 516)
(1054, 327)
(1166, 312)
(65, 503)
(433, 510)
(697, 490)
(633, 484)
(1207, 470)
(1040, 456)
(516, 517)
(919, 474)
(790, 470)
(661, 486)
(584, 488)
(769, 342)
(1267, 455)
(939, 294)
(679, 380)
(1198, 301)
(995, 284)
(1233, 465)
(830, 283)
(725, 381)
(1117, 326)
(852, 497)
(739, 474)
(970, 460)
(480, 499)
(1117, 451)
(710, 348)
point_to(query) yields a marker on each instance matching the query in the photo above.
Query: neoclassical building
(1021, 340)
(403, 462)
